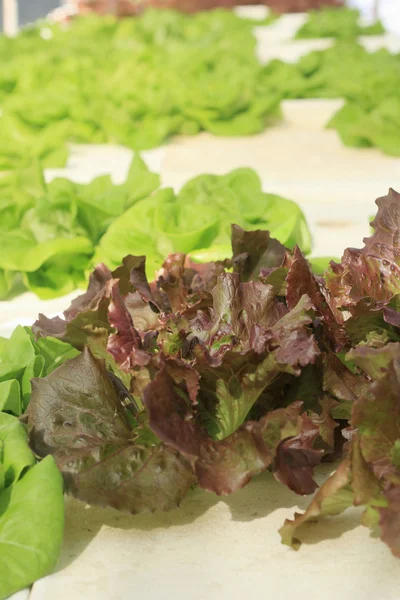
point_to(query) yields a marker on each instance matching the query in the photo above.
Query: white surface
(22, 595)
(258, 13)
(217, 549)
(10, 17)
(388, 11)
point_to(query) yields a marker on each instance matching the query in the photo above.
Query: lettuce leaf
(370, 115)
(372, 273)
(96, 451)
(366, 380)
(21, 359)
(31, 510)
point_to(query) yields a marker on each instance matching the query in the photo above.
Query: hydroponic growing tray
(214, 548)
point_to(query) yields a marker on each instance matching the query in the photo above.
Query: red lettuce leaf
(76, 415)
(253, 251)
(125, 346)
(369, 324)
(296, 458)
(370, 472)
(301, 281)
(374, 271)
(331, 499)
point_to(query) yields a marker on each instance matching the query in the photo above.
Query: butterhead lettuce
(54, 233)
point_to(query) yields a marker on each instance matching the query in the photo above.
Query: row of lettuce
(209, 375)
(54, 233)
(139, 81)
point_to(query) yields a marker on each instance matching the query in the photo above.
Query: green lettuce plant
(53, 233)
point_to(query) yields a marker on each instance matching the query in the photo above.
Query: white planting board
(219, 549)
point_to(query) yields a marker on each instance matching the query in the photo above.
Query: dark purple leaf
(374, 271)
(76, 415)
(97, 283)
(253, 251)
(296, 458)
(391, 316)
(125, 345)
(301, 281)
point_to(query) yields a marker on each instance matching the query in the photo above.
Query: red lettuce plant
(216, 372)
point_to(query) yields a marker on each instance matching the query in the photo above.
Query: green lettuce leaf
(31, 527)
(203, 67)
(16, 455)
(31, 510)
(23, 358)
(10, 397)
(15, 354)
(340, 23)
